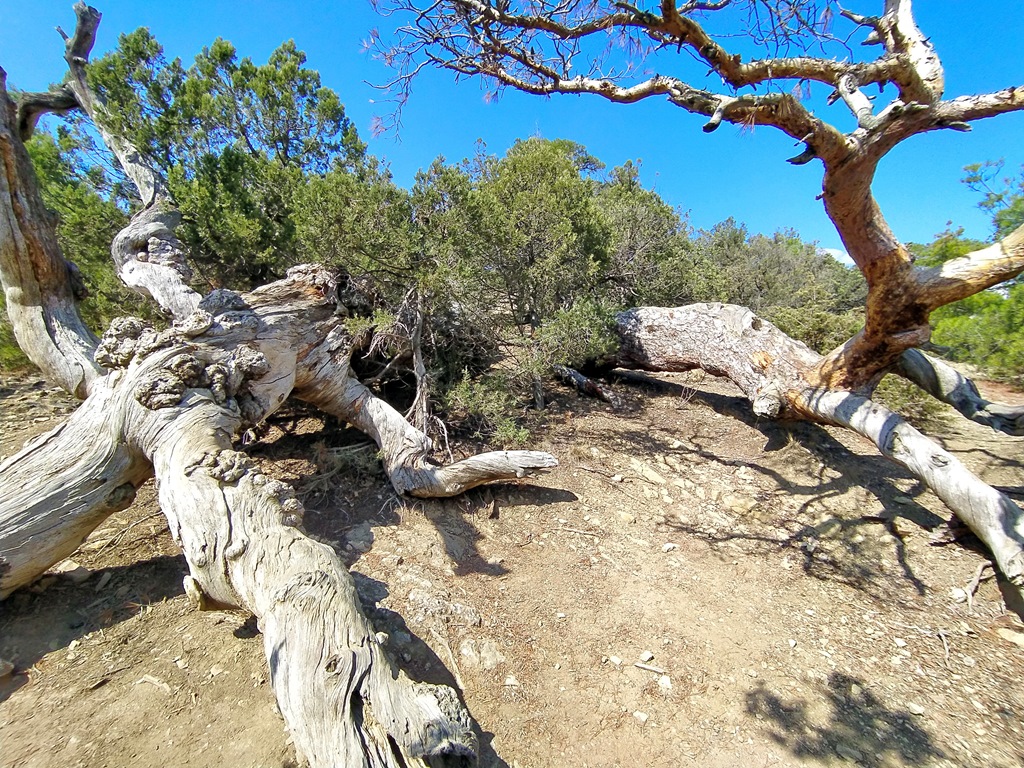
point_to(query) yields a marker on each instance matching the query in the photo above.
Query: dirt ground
(784, 588)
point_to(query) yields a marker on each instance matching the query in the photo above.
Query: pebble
(1011, 636)
(848, 752)
(73, 572)
(915, 709)
(646, 656)
(642, 717)
(511, 681)
(6, 668)
(669, 547)
(665, 683)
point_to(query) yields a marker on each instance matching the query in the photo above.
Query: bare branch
(947, 384)
(32, 106)
(978, 270)
(148, 256)
(36, 280)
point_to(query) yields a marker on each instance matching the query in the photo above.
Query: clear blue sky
(727, 173)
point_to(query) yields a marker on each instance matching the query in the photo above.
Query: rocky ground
(690, 587)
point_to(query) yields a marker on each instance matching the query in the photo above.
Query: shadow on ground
(856, 727)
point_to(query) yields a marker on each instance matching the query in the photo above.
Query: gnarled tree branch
(148, 256)
(36, 279)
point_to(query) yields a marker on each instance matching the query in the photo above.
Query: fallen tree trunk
(170, 407)
(778, 376)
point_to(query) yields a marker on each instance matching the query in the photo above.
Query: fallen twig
(945, 646)
(972, 586)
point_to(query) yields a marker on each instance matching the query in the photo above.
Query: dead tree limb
(945, 383)
(170, 405)
(37, 284)
(776, 373)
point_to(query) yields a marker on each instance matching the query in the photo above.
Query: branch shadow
(34, 620)
(841, 470)
(858, 726)
(415, 657)
(348, 519)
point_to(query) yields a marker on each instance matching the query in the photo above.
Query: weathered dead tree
(547, 47)
(168, 404)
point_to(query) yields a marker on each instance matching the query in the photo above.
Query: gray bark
(945, 383)
(169, 407)
(36, 280)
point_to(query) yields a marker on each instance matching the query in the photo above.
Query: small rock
(1011, 636)
(6, 668)
(360, 537)
(511, 681)
(642, 717)
(958, 594)
(792, 643)
(829, 527)
(903, 500)
(848, 752)
(72, 571)
(646, 656)
(615, 660)
(900, 642)
(616, 478)
(216, 669)
(915, 709)
(669, 547)
(646, 472)
(481, 653)
(969, 661)
(739, 505)
(665, 683)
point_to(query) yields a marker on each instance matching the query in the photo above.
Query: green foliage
(87, 223)
(982, 330)
(583, 332)
(910, 401)
(549, 243)
(512, 263)
(762, 272)
(236, 142)
(949, 244)
(822, 331)
(11, 356)
(486, 403)
(1003, 198)
(652, 258)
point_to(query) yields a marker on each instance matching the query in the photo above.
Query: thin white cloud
(838, 254)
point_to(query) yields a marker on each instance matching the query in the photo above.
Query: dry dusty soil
(783, 586)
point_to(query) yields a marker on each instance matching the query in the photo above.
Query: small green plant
(486, 405)
(899, 395)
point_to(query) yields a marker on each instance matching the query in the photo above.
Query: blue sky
(727, 173)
